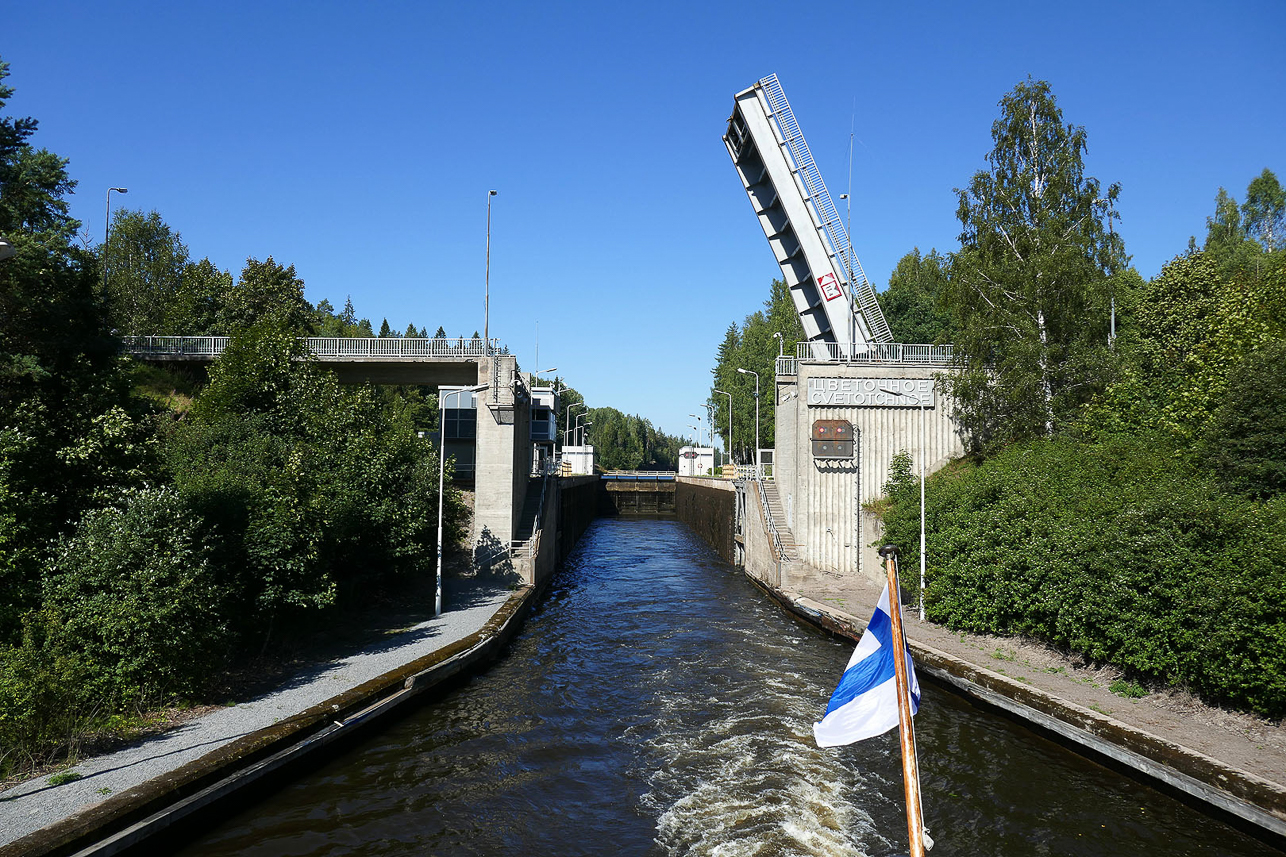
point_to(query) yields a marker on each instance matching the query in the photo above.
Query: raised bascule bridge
(850, 398)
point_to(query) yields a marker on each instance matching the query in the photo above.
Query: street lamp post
(728, 440)
(576, 431)
(543, 372)
(442, 470)
(568, 430)
(756, 374)
(486, 308)
(107, 228)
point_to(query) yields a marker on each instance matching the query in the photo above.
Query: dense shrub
(134, 593)
(1117, 551)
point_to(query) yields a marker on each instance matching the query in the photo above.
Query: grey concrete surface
(35, 804)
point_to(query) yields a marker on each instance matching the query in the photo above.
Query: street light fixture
(107, 227)
(442, 469)
(576, 428)
(756, 374)
(728, 440)
(6, 249)
(568, 427)
(544, 372)
(486, 309)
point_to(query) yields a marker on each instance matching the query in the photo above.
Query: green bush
(1115, 550)
(133, 593)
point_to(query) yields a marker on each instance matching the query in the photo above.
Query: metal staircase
(786, 538)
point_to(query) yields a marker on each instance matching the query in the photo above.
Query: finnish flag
(866, 704)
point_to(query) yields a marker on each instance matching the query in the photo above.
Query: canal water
(656, 704)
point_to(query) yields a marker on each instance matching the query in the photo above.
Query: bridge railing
(176, 346)
(321, 347)
(879, 353)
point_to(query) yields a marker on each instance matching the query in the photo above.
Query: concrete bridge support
(503, 457)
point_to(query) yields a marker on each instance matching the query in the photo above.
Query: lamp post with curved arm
(107, 228)
(728, 440)
(756, 374)
(568, 429)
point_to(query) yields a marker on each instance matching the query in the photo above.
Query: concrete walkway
(1234, 764)
(136, 779)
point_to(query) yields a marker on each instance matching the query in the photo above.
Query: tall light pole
(486, 309)
(442, 470)
(107, 228)
(728, 441)
(544, 372)
(756, 374)
(699, 430)
(568, 430)
(576, 429)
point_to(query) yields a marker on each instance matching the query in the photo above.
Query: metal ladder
(823, 207)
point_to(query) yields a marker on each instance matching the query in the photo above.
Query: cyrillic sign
(870, 392)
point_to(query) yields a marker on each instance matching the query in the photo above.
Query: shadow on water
(655, 704)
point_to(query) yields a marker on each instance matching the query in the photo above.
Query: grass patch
(1127, 689)
(65, 777)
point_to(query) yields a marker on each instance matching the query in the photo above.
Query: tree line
(1122, 495)
(155, 528)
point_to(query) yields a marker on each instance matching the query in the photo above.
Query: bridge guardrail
(878, 353)
(321, 347)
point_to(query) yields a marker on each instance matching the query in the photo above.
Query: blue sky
(358, 142)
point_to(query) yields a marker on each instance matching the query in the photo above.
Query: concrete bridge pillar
(503, 463)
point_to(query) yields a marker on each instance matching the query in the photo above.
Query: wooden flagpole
(910, 766)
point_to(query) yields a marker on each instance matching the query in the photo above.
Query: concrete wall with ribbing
(823, 498)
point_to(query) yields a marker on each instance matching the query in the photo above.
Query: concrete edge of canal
(125, 820)
(1242, 798)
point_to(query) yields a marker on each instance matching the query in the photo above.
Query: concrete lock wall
(708, 506)
(759, 559)
(823, 498)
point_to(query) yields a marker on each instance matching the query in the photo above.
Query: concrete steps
(778, 513)
(530, 506)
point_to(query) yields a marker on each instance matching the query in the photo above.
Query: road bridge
(502, 454)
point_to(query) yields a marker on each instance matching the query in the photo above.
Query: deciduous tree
(1030, 287)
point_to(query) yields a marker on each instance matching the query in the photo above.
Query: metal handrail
(518, 547)
(787, 366)
(320, 347)
(877, 353)
(773, 535)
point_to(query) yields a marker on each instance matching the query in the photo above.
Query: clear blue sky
(357, 142)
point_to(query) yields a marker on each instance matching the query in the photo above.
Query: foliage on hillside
(1147, 532)
(629, 442)
(1116, 551)
(149, 538)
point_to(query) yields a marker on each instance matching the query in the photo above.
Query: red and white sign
(829, 284)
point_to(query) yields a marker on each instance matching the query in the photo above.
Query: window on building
(460, 424)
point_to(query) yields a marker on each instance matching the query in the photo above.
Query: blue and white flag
(866, 703)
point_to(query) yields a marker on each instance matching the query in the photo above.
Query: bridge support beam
(503, 463)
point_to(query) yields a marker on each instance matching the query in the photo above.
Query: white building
(696, 461)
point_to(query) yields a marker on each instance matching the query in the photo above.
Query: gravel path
(35, 803)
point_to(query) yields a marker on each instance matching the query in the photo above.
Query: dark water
(656, 704)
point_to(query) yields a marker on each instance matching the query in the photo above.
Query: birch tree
(1031, 287)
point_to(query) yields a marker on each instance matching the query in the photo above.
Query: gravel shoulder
(36, 803)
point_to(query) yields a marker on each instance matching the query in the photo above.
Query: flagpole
(910, 766)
